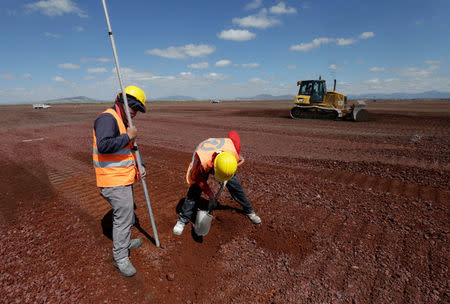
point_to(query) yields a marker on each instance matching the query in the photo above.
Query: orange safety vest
(118, 168)
(205, 151)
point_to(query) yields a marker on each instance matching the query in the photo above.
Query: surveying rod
(124, 95)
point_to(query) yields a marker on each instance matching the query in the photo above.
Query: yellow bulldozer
(314, 101)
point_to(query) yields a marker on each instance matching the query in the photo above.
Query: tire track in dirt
(383, 185)
(369, 182)
(72, 184)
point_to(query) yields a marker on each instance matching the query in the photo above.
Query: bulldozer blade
(359, 112)
(362, 115)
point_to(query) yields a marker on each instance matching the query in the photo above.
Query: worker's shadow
(107, 227)
(202, 204)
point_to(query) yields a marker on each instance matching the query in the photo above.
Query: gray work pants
(122, 203)
(194, 193)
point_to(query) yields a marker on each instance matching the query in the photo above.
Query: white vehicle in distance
(41, 106)
(215, 100)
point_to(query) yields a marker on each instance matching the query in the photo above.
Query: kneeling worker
(115, 170)
(220, 157)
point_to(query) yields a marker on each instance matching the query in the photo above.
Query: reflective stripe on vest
(205, 151)
(117, 168)
(125, 163)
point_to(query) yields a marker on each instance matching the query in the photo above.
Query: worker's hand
(212, 204)
(143, 172)
(132, 132)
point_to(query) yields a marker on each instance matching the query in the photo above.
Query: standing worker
(220, 157)
(115, 170)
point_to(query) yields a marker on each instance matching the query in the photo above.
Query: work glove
(212, 204)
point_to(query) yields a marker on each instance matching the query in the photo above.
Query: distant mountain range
(176, 98)
(77, 99)
(424, 95)
(267, 97)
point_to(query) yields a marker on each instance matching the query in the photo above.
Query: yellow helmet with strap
(225, 166)
(137, 93)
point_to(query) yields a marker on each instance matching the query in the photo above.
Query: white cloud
(345, 41)
(236, 35)
(189, 50)
(97, 70)
(89, 77)
(186, 75)
(26, 76)
(323, 40)
(52, 35)
(222, 63)
(186, 78)
(432, 61)
(199, 50)
(199, 65)
(281, 8)
(261, 20)
(366, 35)
(344, 83)
(417, 72)
(215, 76)
(373, 81)
(332, 67)
(308, 46)
(68, 66)
(378, 69)
(253, 5)
(54, 8)
(79, 28)
(291, 67)
(101, 59)
(399, 84)
(257, 80)
(137, 76)
(8, 76)
(58, 79)
(250, 65)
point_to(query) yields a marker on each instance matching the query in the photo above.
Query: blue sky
(221, 49)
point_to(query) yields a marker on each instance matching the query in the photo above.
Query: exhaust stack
(334, 87)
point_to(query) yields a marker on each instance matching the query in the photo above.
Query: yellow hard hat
(138, 94)
(225, 166)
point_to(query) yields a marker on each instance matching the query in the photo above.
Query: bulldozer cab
(316, 89)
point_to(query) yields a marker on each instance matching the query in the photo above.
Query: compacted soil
(352, 212)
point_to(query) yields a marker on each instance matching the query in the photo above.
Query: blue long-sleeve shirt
(109, 139)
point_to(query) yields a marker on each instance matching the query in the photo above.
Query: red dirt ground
(351, 212)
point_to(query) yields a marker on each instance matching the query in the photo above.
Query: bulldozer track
(380, 184)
